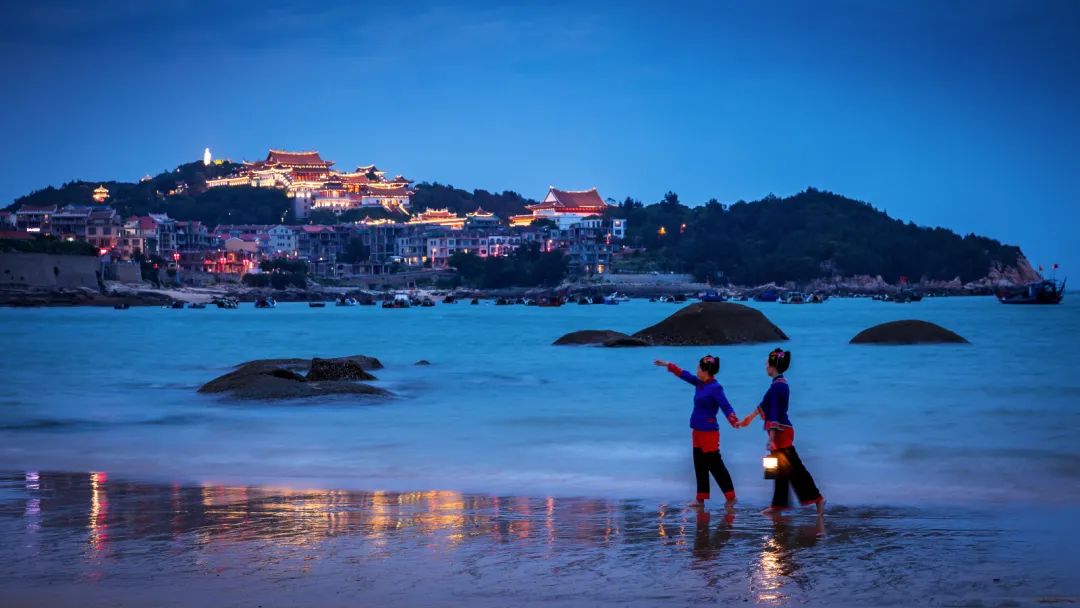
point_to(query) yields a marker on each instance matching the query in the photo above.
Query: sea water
(502, 410)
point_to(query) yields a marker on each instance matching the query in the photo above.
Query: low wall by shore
(45, 270)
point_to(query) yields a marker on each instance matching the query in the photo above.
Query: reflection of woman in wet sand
(774, 411)
(709, 399)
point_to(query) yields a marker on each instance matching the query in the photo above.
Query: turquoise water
(500, 410)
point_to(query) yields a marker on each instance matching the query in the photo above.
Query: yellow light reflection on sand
(770, 574)
(99, 511)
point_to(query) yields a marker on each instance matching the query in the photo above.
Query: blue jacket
(709, 399)
(774, 405)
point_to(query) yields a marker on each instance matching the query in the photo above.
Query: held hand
(660, 363)
(771, 446)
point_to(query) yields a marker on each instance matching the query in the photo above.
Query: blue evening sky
(960, 114)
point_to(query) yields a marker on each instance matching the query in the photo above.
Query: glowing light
(771, 465)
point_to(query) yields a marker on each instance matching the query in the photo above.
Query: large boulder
(336, 369)
(910, 331)
(267, 379)
(711, 323)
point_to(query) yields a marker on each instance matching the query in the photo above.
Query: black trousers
(711, 462)
(792, 474)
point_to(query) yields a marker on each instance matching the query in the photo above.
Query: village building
(69, 223)
(283, 240)
(34, 218)
(192, 236)
(103, 228)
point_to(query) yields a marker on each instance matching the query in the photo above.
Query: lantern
(771, 465)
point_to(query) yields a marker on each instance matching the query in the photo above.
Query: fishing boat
(713, 295)
(475, 301)
(449, 299)
(267, 302)
(793, 297)
(904, 296)
(344, 300)
(174, 304)
(427, 302)
(1048, 291)
(550, 301)
(122, 306)
(584, 300)
(611, 300)
(398, 301)
(818, 298)
(768, 295)
(197, 305)
(226, 302)
(316, 304)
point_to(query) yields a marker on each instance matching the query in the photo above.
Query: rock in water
(422, 362)
(625, 341)
(710, 323)
(911, 331)
(336, 369)
(268, 379)
(590, 336)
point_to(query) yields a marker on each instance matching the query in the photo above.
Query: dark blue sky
(960, 114)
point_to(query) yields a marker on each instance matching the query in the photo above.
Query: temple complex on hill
(569, 207)
(314, 185)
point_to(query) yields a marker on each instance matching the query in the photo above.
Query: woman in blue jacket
(709, 400)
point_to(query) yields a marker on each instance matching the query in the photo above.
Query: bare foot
(729, 505)
(772, 511)
(696, 504)
(820, 506)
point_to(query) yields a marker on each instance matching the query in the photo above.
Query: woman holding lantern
(790, 473)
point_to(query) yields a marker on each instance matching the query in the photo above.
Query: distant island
(812, 236)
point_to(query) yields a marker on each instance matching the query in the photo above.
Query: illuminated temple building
(314, 185)
(564, 207)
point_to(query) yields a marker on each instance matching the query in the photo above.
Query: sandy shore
(88, 540)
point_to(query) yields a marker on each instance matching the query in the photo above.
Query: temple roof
(284, 157)
(36, 209)
(571, 199)
(369, 190)
(400, 179)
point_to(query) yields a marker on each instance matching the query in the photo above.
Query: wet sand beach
(88, 540)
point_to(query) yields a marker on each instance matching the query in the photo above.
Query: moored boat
(1048, 291)
(319, 304)
(267, 302)
(713, 295)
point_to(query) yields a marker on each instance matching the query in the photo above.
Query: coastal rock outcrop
(336, 369)
(601, 337)
(911, 331)
(711, 323)
(267, 379)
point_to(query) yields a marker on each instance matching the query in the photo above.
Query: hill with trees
(182, 193)
(810, 235)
